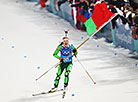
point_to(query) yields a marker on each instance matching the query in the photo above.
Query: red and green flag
(101, 15)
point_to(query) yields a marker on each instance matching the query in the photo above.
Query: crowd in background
(127, 10)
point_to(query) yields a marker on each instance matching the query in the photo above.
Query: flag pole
(112, 17)
(56, 65)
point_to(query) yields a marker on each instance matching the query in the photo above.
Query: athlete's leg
(68, 70)
(60, 70)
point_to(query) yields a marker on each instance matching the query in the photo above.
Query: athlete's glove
(61, 59)
(74, 51)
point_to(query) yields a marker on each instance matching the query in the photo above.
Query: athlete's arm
(74, 50)
(57, 51)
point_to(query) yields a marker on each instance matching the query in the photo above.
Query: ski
(42, 93)
(64, 92)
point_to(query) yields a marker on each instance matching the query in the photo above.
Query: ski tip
(94, 82)
(36, 79)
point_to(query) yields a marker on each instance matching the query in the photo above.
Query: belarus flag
(100, 16)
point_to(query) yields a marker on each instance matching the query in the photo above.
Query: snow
(36, 33)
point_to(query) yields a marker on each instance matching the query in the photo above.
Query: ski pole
(56, 65)
(89, 37)
(46, 72)
(85, 70)
(78, 47)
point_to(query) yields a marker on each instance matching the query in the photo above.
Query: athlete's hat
(65, 38)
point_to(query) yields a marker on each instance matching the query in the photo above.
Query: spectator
(135, 26)
(82, 8)
(119, 3)
(42, 2)
(133, 4)
(59, 3)
(83, 5)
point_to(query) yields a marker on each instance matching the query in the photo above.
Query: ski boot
(54, 89)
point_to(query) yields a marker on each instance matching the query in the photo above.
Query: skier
(65, 49)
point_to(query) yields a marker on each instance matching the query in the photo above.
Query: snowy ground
(28, 38)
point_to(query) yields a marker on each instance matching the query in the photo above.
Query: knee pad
(58, 77)
(67, 73)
